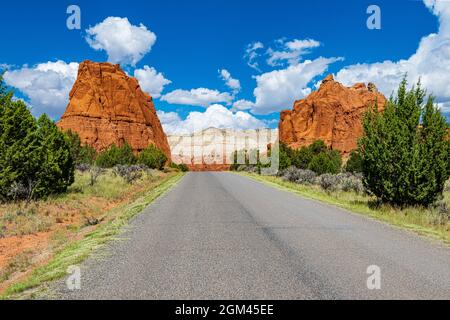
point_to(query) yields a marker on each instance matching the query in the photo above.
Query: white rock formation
(214, 146)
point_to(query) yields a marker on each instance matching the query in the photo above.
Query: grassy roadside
(78, 250)
(419, 220)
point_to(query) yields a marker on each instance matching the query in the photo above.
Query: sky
(228, 64)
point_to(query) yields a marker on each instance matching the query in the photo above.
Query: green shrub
(406, 157)
(152, 157)
(318, 147)
(35, 157)
(285, 156)
(326, 162)
(80, 154)
(182, 167)
(302, 157)
(114, 156)
(57, 170)
(354, 162)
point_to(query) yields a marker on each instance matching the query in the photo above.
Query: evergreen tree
(302, 157)
(329, 161)
(56, 170)
(80, 154)
(406, 162)
(116, 156)
(35, 158)
(19, 147)
(285, 155)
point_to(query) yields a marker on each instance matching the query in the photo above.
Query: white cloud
(46, 85)
(430, 62)
(151, 81)
(291, 51)
(444, 107)
(201, 97)
(4, 66)
(277, 90)
(251, 54)
(123, 42)
(216, 116)
(243, 105)
(168, 117)
(233, 84)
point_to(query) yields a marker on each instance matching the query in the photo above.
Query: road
(224, 236)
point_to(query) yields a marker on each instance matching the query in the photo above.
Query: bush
(181, 167)
(318, 147)
(351, 183)
(80, 154)
(114, 156)
(306, 177)
(328, 182)
(35, 157)
(299, 176)
(83, 167)
(152, 157)
(302, 157)
(326, 162)
(354, 162)
(285, 156)
(290, 174)
(406, 157)
(316, 157)
(129, 173)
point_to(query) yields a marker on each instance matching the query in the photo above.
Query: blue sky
(196, 39)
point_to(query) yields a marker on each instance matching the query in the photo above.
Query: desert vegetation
(399, 173)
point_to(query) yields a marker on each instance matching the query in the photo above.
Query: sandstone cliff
(333, 114)
(106, 106)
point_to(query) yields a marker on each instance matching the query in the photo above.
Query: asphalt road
(223, 236)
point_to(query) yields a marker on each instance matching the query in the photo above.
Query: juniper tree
(56, 171)
(34, 155)
(405, 154)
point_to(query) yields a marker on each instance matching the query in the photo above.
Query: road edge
(76, 252)
(424, 233)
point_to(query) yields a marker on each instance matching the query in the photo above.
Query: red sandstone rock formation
(108, 107)
(333, 114)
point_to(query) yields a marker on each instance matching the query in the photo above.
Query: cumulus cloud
(251, 54)
(123, 42)
(200, 97)
(151, 81)
(46, 85)
(430, 63)
(233, 84)
(216, 116)
(290, 51)
(242, 105)
(278, 89)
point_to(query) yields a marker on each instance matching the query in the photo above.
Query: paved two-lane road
(223, 236)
